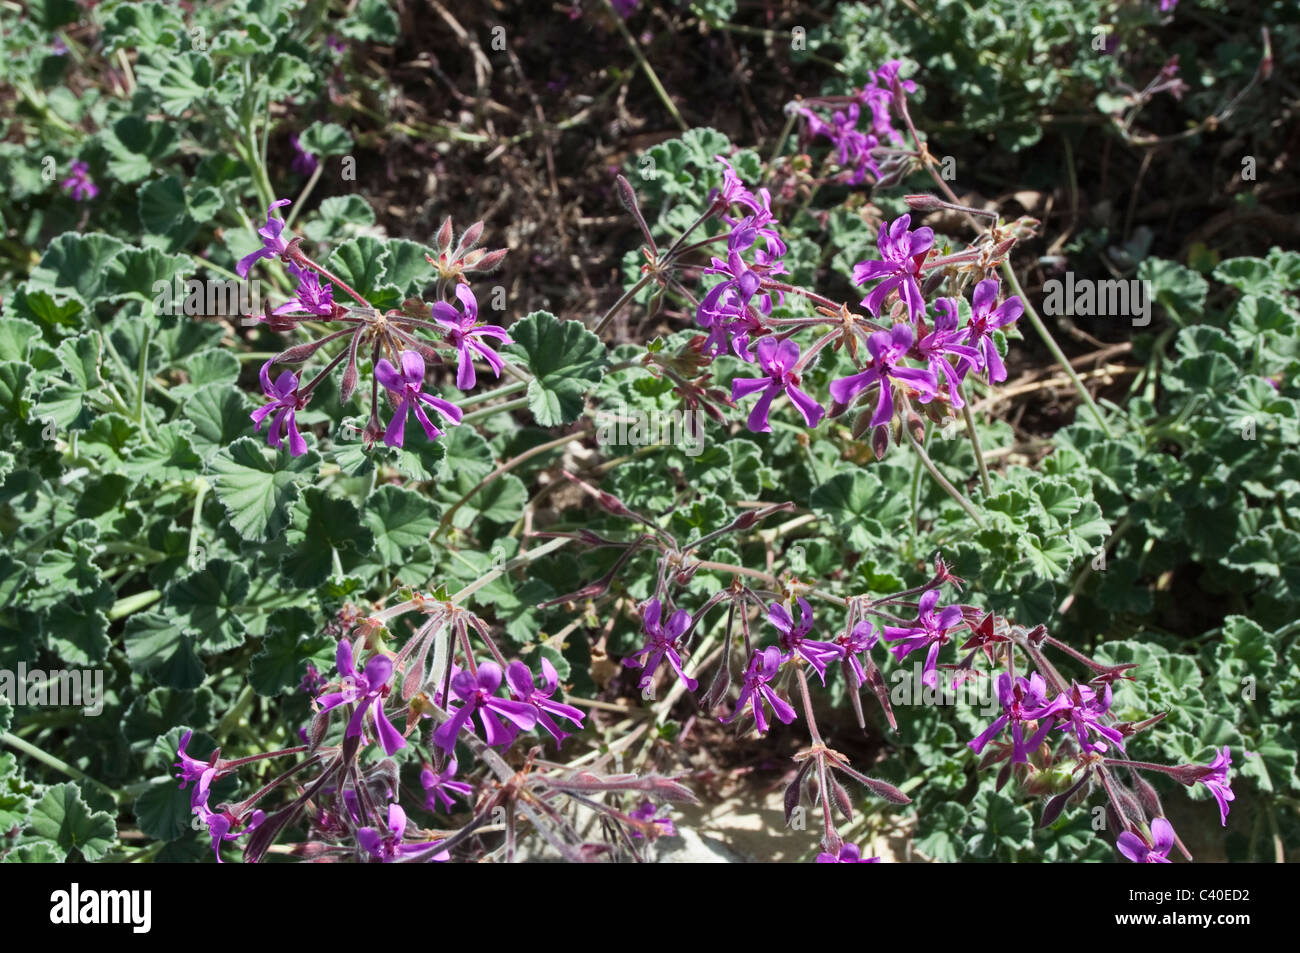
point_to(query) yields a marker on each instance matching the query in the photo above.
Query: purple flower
(285, 403)
(625, 8)
(79, 184)
(760, 219)
(901, 253)
(646, 812)
(1021, 700)
(778, 359)
(726, 308)
(794, 638)
(1217, 781)
(858, 642)
(1136, 848)
(849, 854)
(437, 784)
(191, 769)
(878, 95)
(763, 666)
(943, 340)
(1082, 712)
(930, 631)
(387, 846)
(887, 349)
(368, 689)
(1167, 6)
(733, 191)
(524, 689)
(310, 295)
(405, 386)
(662, 641)
(730, 322)
(462, 333)
(984, 320)
(304, 163)
(272, 243)
(479, 695)
(311, 681)
(853, 146)
(219, 824)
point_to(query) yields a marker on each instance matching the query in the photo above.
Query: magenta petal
(389, 737)
(412, 367)
(388, 376)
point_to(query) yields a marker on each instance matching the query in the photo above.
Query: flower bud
(880, 441)
(469, 239)
(923, 203)
(443, 238)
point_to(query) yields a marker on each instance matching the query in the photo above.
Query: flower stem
(133, 603)
(975, 442)
(952, 491)
(302, 259)
(523, 559)
(508, 406)
(303, 195)
(49, 760)
(501, 471)
(618, 305)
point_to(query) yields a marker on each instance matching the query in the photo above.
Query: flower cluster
(860, 151)
(923, 352)
(400, 343)
(353, 807)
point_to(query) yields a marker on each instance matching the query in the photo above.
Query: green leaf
(52, 14)
(850, 502)
(939, 833)
(14, 376)
(322, 139)
(163, 811)
(372, 21)
(137, 146)
(53, 310)
(501, 501)
(340, 215)
(999, 823)
(401, 521)
(363, 263)
(209, 600)
(220, 417)
(162, 205)
(163, 646)
(75, 265)
(293, 638)
(135, 272)
(63, 817)
(321, 527)
(1180, 289)
(407, 267)
(1049, 556)
(178, 81)
(257, 486)
(566, 361)
(70, 401)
